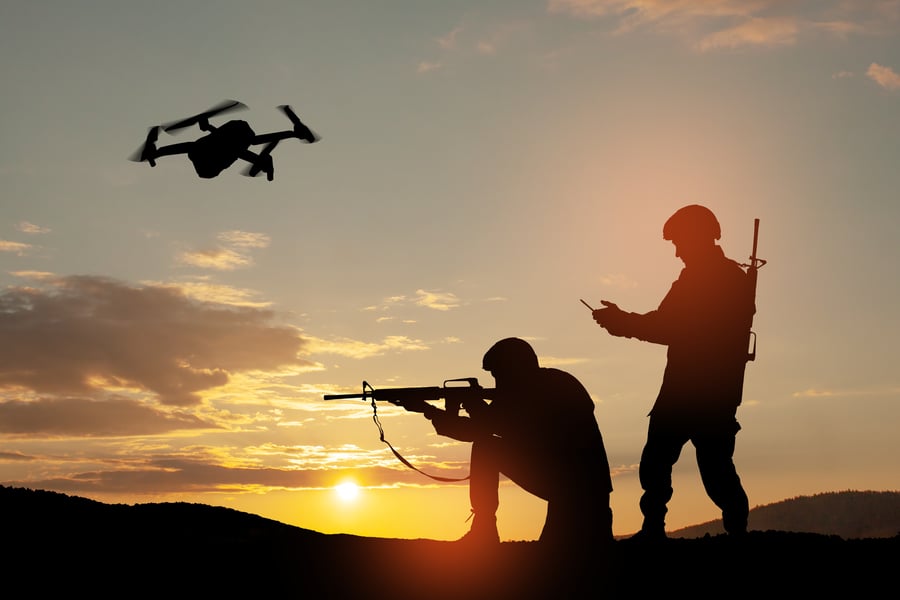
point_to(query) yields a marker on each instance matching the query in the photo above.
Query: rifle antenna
(366, 386)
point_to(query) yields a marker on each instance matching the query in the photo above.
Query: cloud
(26, 227)
(448, 41)
(813, 393)
(485, 47)
(884, 76)
(221, 259)
(717, 24)
(841, 29)
(618, 281)
(437, 300)
(425, 66)
(479, 40)
(559, 362)
(231, 254)
(15, 456)
(174, 474)
(84, 417)
(358, 349)
(205, 291)
(501, 36)
(80, 335)
(14, 247)
(635, 13)
(847, 393)
(753, 32)
(38, 275)
(244, 239)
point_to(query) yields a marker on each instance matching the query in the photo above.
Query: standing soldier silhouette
(704, 320)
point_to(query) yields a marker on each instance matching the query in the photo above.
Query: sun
(347, 491)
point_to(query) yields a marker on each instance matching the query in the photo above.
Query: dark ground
(55, 543)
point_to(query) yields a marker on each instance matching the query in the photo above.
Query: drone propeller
(263, 163)
(302, 131)
(222, 107)
(147, 152)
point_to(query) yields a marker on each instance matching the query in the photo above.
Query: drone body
(223, 145)
(218, 150)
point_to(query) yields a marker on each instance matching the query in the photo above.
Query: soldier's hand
(610, 317)
(604, 315)
(474, 406)
(415, 405)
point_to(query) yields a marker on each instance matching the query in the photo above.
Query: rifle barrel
(343, 396)
(755, 238)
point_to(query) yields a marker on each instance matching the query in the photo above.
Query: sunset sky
(482, 166)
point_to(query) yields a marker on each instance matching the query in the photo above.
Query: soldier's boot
(483, 531)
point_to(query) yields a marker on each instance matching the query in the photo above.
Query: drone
(223, 145)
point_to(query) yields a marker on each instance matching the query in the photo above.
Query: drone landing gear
(261, 162)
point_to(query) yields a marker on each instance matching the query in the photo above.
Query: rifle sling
(403, 460)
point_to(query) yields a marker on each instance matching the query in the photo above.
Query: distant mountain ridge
(849, 514)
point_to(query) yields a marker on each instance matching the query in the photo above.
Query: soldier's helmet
(692, 221)
(510, 355)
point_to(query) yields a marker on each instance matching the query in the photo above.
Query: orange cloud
(175, 474)
(437, 300)
(358, 349)
(753, 32)
(26, 227)
(884, 76)
(33, 274)
(244, 239)
(715, 24)
(14, 247)
(232, 254)
(638, 12)
(222, 259)
(205, 291)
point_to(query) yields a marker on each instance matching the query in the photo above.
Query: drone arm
(249, 156)
(276, 136)
(182, 148)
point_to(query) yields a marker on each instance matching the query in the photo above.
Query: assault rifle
(411, 398)
(753, 268)
(416, 399)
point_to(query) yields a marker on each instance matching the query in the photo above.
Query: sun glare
(347, 491)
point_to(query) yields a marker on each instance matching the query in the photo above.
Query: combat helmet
(510, 354)
(692, 221)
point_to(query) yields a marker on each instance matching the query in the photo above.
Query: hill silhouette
(56, 543)
(849, 514)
